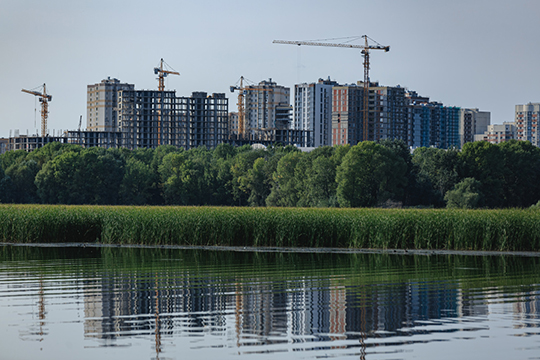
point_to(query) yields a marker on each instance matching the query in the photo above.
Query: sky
(468, 53)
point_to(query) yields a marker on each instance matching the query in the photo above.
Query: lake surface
(131, 303)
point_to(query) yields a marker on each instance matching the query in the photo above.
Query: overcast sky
(469, 53)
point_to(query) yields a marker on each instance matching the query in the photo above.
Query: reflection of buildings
(265, 311)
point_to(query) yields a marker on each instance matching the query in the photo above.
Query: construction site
(325, 113)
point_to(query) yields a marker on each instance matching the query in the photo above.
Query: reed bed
(503, 230)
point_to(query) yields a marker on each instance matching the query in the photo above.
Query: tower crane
(242, 91)
(44, 99)
(162, 73)
(365, 52)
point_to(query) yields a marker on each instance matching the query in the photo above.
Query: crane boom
(313, 43)
(44, 99)
(162, 73)
(365, 52)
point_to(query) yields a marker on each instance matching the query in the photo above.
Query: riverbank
(400, 229)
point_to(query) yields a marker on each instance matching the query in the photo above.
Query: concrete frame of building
(150, 118)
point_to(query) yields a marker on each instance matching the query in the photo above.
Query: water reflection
(335, 304)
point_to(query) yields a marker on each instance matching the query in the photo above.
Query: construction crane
(365, 52)
(162, 73)
(44, 100)
(242, 91)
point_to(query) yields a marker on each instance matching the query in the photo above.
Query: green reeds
(499, 230)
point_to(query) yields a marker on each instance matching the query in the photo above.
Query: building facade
(526, 120)
(101, 101)
(347, 105)
(267, 107)
(313, 112)
(472, 122)
(150, 118)
(497, 133)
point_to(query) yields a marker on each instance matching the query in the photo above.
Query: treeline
(384, 174)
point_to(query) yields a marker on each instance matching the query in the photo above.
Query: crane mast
(162, 73)
(44, 99)
(365, 53)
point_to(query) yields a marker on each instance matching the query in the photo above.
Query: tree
(285, 189)
(483, 161)
(369, 174)
(240, 167)
(136, 186)
(92, 176)
(22, 176)
(521, 173)
(465, 195)
(436, 173)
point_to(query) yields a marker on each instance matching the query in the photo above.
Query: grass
(441, 229)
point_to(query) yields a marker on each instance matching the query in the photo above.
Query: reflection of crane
(242, 91)
(162, 73)
(365, 52)
(44, 100)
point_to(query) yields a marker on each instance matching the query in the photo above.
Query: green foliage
(465, 195)
(369, 174)
(436, 172)
(499, 230)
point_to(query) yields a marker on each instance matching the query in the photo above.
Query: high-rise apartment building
(472, 122)
(267, 107)
(347, 104)
(527, 122)
(387, 113)
(313, 112)
(101, 101)
(149, 118)
(431, 124)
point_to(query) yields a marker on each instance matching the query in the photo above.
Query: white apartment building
(527, 122)
(498, 133)
(101, 102)
(267, 107)
(313, 112)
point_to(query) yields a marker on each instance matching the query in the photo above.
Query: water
(112, 303)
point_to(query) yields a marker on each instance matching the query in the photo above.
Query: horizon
(465, 53)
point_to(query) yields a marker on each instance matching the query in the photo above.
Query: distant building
(233, 123)
(150, 118)
(472, 122)
(3, 145)
(267, 107)
(101, 102)
(313, 112)
(31, 143)
(497, 133)
(526, 121)
(347, 105)
(387, 112)
(431, 124)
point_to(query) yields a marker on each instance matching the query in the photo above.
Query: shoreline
(263, 249)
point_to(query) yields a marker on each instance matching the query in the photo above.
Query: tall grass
(505, 230)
